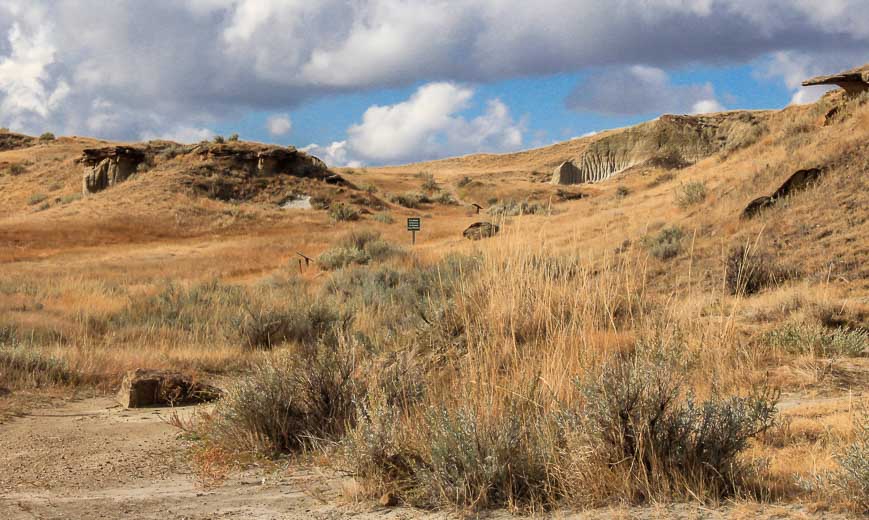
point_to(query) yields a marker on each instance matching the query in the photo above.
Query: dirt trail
(91, 459)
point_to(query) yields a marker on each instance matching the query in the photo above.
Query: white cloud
(428, 125)
(640, 89)
(187, 63)
(707, 106)
(279, 125)
(791, 68)
(180, 134)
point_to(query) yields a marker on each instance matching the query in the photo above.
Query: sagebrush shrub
(510, 208)
(634, 418)
(804, 338)
(343, 212)
(411, 200)
(691, 194)
(666, 244)
(749, 270)
(288, 401)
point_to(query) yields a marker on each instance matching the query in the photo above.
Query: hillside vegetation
(632, 341)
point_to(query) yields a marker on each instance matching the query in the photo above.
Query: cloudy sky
(390, 81)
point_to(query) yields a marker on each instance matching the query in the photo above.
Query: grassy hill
(628, 341)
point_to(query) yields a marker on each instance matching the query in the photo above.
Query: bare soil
(89, 458)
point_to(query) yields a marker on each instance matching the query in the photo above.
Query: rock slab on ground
(141, 388)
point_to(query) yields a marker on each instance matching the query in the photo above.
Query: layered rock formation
(266, 161)
(108, 166)
(670, 141)
(853, 82)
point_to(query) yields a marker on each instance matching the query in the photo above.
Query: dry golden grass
(554, 299)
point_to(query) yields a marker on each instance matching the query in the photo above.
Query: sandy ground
(89, 459)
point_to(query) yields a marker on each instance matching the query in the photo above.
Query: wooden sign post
(414, 224)
(478, 207)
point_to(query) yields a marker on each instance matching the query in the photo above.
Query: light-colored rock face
(669, 140)
(567, 173)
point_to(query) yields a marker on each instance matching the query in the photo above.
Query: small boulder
(141, 388)
(481, 230)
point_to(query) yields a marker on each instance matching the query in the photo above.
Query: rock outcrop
(142, 388)
(242, 171)
(853, 82)
(481, 230)
(105, 167)
(268, 161)
(799, 181)
(567, 173)
(670, 141)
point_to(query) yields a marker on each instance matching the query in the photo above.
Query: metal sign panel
(414, 224)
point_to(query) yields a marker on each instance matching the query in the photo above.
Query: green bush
(343, 212)
(803, 338)
(47, 136)
(218, 139)
(622, 191)
(16, 169)
(446, 198)
(36, 198)
(852, 478)
(428, 182)
(691, 194)
(666, 244)
(410, 200)
(358, 247)
(340, 257)
(233, 138)
(288, 402)
(510, 208)
(72, 197)
(458, 456)
(634, 420)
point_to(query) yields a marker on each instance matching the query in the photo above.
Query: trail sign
(414, 224)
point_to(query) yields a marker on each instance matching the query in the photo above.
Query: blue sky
(390, 81)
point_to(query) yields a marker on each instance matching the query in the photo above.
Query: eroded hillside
(489, 364)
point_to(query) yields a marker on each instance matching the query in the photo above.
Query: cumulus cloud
(279, 125)
(428, 125)
(793, 67)
(180, 134)
(190, 63)
(641, 89)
